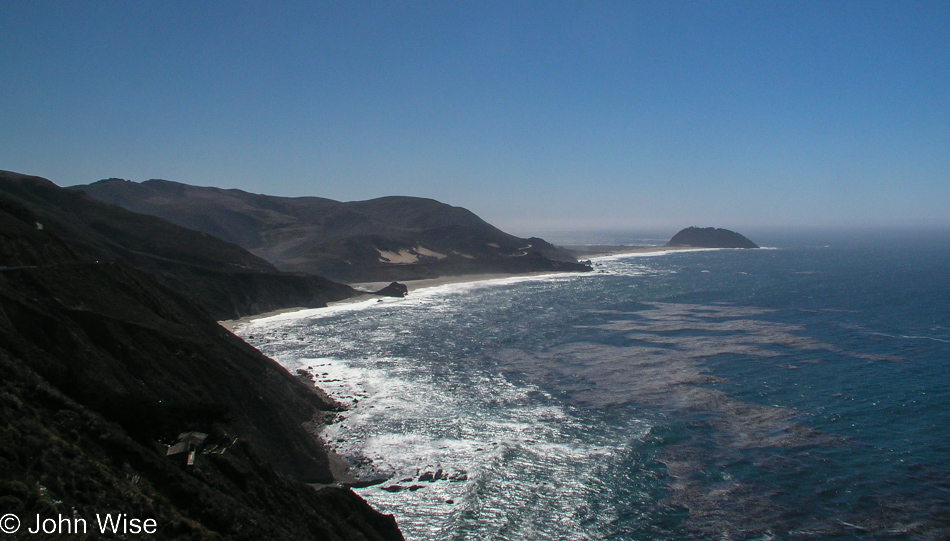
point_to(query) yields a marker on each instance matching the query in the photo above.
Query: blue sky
(535, 115)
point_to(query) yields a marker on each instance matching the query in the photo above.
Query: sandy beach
(369, 287)
(443, 280)
(581, 252)
(595, 251)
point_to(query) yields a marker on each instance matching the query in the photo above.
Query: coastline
(339, 465)
(592, 252)
(366, 289)
(599, 251)
(427, 283)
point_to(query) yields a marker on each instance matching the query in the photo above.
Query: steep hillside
(381, 239)
(224, 278)
(103, 367)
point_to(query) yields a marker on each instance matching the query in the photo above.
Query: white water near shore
(441, 285)
(407, 422)
(410, 419)
(707, 395)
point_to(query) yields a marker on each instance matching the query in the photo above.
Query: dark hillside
(232, 215)
(389, 238)
(103, 367)
(224, 278)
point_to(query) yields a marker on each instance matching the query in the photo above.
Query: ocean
(795, 392)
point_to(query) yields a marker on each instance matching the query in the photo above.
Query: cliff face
(710, 237)
(103, 366)
(390, 238)
(227, 280)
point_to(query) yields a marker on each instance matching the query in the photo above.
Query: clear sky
(535, 115)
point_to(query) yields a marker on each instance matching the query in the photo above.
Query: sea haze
(798, 392)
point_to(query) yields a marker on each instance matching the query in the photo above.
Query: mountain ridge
(227, 280)
(387, 238)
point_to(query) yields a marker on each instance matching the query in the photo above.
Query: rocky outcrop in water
(710, 237)
(394, 289)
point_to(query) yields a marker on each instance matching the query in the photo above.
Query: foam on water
(649, 399)
(421, 296)
(482, 435)
(656, 253)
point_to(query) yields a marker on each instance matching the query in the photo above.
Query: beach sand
(595, 251)
(368, 287)
(581, 252)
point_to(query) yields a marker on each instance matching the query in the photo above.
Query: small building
(187, 448)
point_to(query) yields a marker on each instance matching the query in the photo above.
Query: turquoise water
(801, 392)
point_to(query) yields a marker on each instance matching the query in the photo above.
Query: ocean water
(800, 392)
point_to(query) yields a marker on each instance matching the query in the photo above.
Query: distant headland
(710, 237)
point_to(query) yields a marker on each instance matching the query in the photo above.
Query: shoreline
(426, 283)
(600, 251)
(366, 288)
(340, 467)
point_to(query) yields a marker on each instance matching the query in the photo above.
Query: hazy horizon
(559, 117)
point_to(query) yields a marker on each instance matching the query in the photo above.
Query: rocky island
(685, 239)
(710, 237)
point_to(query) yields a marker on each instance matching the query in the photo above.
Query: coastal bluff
(121, 394)
(710, 237)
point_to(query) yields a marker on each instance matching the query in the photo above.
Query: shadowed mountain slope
(224, 278)
(381, 239)
(103, 367)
